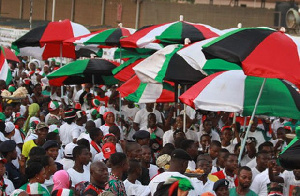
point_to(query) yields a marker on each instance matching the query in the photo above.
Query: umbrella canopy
(10, 56)
(156, 36)
(96, 71)
(233, 91)
(287, 158)
(107, 38)
(138, 92)
(124, 72)
(5, 73)
(165, 64)
(261, 52)
(46, 41)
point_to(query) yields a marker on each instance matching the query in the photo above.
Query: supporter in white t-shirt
(79, 172)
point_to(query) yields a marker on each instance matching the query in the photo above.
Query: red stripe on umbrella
(9, 55)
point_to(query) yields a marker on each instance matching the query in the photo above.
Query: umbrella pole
(177, 100)
(184, 113)
(60, 58)
(251, 121)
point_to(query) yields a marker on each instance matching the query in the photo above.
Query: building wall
(88, 12)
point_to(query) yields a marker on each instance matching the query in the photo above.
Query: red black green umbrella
(136, 91)
(47, 41)
(289, 158)
(261, 52)
(96, 71)
(124, 72)
(156, 36)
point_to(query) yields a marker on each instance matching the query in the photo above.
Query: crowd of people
(87, 140)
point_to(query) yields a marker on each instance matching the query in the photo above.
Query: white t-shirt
(17, 137)
(260, 182)
(77, 177)
(68, 132)
(258, 136)
(191, 165)
(168, 137)
(289, 182)
(10, 186)
(255, 172)
(230, 147)
(136, 189)
(67, 163)
(141, 117)
(85, 135)
(213, 135)
(153, 170)
(201, 188)
(99, 157)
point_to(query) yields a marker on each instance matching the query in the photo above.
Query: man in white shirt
(262, 159)
(69, 131)
(207, 129)
(68, 161)
(190, 146)
(80, 172)
(178, 164)
(141, 117)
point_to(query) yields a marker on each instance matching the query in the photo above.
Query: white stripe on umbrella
(150, 36)
(152, 92)
(79, 29)
(4, 70)
(35, 52)
(220, 96)
(147, 69)
(193, 54)
(297, 43)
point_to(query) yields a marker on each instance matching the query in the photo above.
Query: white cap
(69, 149)
(9, 127)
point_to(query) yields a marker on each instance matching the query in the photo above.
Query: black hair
(228, 155)
(84, 142)
(33, 169)
(114, 130)
(44, 160)
(215, 143)
(204, 135)
(244, 168)
(94, 132)
(261, 153)
(186, 144)
(167, 149)
(133, 165)
(2, 126)
(224, 150)
(78, 150)
(117, 159)
(36, 151)
(130, 146)
(151, 115)
(51, 136)
(265, 144)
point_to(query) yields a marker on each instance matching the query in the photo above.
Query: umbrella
(10, 56)
(261, 52)
(166, 65)
(138, 92)
(156, 36)
(96, 71)
(5, 73)
(287, 158)
(124, 72)
(233, 91)
(106, 38)
(46, 41)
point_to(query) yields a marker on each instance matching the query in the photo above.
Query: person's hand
(278, 144)
(22, 161)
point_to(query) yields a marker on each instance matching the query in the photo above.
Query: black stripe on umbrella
(181, 72)
(114, 38)
(235, 51)
(32, 38)
(99, 65)
(189, 31)
(295, 93)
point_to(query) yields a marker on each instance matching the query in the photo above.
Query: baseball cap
(53, 105)
(7, 146)
(141, 134)
(41, 125)
(220, 183)
(50, 144)
(69, 149)
(9, 127)
(181, 154)
(108, 149)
